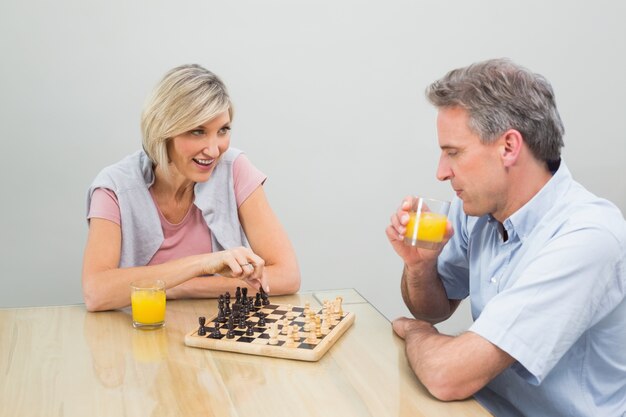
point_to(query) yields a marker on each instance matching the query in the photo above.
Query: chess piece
(201, 329)
(339, 308)
(312, 338)
(250, 329)
(318, 327)
(273, 334)
(290, 341)
(285, 325)
(231, 328)
(261, 322)
(307, 308)
(238, 295)
(257, 300)
(221, 317)
(296, 331)
(325, 326)
(215, 334)
(230, 334)
(265, 299)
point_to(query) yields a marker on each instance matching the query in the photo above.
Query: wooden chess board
(299, 347)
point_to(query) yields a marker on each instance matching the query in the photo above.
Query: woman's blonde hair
(187, 97)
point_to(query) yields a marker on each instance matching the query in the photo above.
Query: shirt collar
(524, 220)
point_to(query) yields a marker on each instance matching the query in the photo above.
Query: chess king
(542, 260)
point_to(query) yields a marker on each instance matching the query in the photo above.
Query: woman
(184, 209)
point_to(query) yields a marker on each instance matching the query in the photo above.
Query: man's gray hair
(500, 95)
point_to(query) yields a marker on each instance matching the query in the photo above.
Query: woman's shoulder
(133, 169)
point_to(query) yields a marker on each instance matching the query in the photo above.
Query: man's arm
(421, 287)
(450, 367)
(424, 294)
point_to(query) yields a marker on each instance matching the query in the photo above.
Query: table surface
(65, 361)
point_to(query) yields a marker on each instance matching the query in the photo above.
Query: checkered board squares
(258, 343)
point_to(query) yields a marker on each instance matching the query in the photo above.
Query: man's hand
(450, 367)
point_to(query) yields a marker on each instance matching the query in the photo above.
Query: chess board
(300, 348)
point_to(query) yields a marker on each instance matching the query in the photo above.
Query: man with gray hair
(542, 260)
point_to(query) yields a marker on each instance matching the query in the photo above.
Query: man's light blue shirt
(553, 296)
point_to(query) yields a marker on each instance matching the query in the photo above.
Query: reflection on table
(66, 361)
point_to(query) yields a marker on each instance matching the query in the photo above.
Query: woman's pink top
(191, 236)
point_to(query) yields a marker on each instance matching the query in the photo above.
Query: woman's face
(195, 152)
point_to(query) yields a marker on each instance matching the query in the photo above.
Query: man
(541, 258)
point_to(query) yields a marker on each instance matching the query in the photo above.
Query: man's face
(475, 169)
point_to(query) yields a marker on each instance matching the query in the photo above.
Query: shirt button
(493, 280)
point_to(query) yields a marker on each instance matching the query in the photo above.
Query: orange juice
(148, 305)
(431, 227)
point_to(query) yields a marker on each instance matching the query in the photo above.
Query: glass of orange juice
(428, 218)
(147, 299)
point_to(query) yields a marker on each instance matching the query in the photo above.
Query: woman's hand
(239, 263)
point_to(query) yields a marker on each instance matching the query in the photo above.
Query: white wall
(329, 103)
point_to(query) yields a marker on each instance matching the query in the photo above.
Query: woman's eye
(224, 130)
(197, 132)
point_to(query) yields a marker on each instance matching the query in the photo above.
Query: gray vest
(142, 234)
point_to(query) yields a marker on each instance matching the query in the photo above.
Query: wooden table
(65, 361)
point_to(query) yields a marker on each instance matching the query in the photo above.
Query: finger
(254, 283)
(398, 326)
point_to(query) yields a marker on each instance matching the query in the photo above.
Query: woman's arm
(107, 287)
(269, 240)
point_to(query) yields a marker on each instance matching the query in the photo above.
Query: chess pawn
(307, 308)
(339, 308)
(332, 316)
(312, 338)
(307, 322)
(325, 327)
(273, 333)
(296, 331)
(201, 329)
(318, 327)
(290, 341)
(285, 325)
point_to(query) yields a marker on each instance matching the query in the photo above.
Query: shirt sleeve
(104, 205)
(571, 283)
(247, 178)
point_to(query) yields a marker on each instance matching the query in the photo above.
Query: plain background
(329, 103)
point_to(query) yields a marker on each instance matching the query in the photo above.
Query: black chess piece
(238, 294)
(201, 329)
(257, 300)
(227, 310)
(231, 331)
(215, 334)
(261, 321)
(242, 322)
(221, 317)
(250, 330)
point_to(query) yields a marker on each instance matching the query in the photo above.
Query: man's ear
(511, 146)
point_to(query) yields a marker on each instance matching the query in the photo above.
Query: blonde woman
(187, 209)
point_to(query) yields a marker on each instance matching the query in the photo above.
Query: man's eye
(451, 153)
